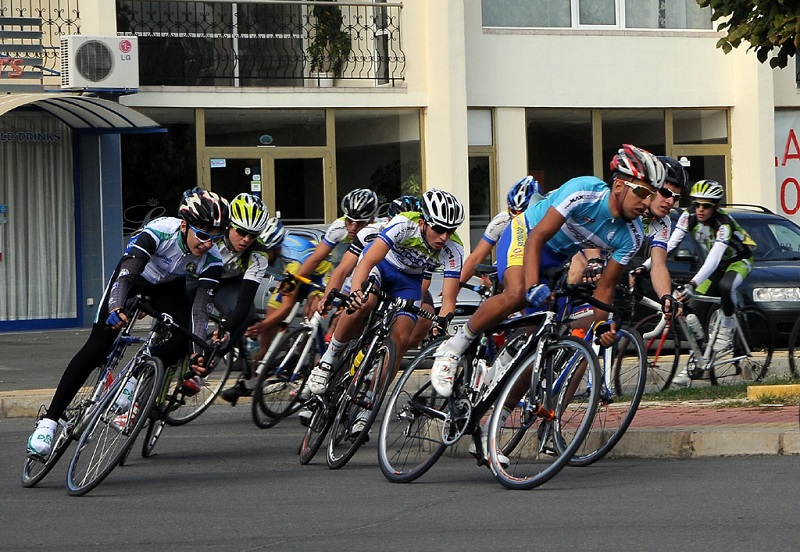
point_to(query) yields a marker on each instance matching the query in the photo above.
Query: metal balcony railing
(264, 42)
(59, 18)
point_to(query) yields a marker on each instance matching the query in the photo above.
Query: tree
(766, 24)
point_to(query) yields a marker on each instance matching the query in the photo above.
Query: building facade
(465, 95)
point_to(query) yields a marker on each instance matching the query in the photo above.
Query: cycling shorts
(511, 250)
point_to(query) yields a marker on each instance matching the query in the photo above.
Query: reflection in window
(644, 128)
(597, 12)
(275, 127)
(378, 149)
(666, 14)
(526, 13)
(480, 202)
(700, 126)
(559, 145)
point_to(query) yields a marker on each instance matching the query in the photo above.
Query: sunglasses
(203, 236)
(666, 194)
(245, 233)
(441, 229)
(704, 204)
(642, 192)
(348, 220)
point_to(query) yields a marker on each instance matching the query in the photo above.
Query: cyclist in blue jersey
(410, 245)
(156, 262)
(519, 197)
(585, 212)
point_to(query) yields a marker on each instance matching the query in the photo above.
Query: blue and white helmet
(520, 194)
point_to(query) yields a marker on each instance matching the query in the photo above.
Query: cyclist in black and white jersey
(156, 262)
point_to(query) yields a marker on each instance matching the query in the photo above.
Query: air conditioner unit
(99, 62)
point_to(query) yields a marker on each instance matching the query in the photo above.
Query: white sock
(459, 342)
(728, 322)
(334, 351)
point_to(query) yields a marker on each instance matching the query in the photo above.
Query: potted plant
(330, 45)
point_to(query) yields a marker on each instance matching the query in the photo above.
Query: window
(626, 14)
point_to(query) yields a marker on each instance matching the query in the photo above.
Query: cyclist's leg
(731, 279)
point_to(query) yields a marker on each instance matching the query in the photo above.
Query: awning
(84, 113)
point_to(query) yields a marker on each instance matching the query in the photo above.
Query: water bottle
(252, 346)
(357, 362)
(695, 325)
(479, 377)
(125, 398)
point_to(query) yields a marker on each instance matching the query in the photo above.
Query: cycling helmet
(403, 204)
(200, 206)
(639, 164)
(273, 233)
(520, 194)
(249, 213)
(707, 189)
(442, 208)
(360, 204)
(675, 173)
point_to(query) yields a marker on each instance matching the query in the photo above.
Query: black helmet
(403, 204)
(676, 174)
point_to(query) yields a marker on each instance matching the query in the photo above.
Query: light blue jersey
(583, 202)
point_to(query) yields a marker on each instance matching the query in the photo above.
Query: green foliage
(331, 44)
(769, 26)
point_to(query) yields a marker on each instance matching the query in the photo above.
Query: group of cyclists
(218, 252)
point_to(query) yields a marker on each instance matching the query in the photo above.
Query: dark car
(774, 283)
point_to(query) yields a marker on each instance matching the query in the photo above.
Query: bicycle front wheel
(538, 433)
(322, 417)
(663, 352)
(411, 436)
(185, 408)
(753, 345)
(109, 435)
(360, 407)
(619, 402)
(34, 469)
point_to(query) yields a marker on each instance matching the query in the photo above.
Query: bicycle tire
(277, 390)
(410, 440)
(544, 447)
(155, 425)
(341, 444)
(34, 470)
(618, 405)
(101, 447)
(760, 335)
(187, 408)
(794, 349)
(322, 417)
(661, 365)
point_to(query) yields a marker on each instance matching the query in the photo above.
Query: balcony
(265, 43)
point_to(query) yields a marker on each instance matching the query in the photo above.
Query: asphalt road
(219, 483)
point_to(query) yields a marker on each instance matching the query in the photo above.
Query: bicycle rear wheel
(107, 438)
(737, 364)
(663, 352)
(34, 470)
(277, 392)
(345, 436)
(538, 439)
(618, 405)
(411, 435)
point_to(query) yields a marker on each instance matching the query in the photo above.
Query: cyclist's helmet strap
(199, 206)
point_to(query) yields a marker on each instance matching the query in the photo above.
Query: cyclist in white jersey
(156, 262)
(519, 196)
(411, 245)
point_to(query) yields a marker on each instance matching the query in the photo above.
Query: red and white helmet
(639, 164)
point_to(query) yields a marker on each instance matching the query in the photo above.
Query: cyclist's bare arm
(482, 250)
(346, 266)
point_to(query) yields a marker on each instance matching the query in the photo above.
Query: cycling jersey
(584, 203)
(366, 236)
(657, 230)
(251, 264)
(409, 253)
(336, 233)
(294, 251)
(496, 226)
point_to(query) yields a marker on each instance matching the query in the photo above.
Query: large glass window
(378, 149)
(631, 14)
(641, 127)
(700, 126)
(265, 127)
(559, 145)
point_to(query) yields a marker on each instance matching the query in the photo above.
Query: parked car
(773, 284)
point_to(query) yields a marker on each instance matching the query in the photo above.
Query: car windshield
(776, 239)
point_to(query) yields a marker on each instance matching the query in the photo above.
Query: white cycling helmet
(640, 164)
(442, 208)
(273, 233)
(707, 189)
(520, 194)
(360, 204)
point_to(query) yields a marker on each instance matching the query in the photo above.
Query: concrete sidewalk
(31, 364)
